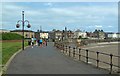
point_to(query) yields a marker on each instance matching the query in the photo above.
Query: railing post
(60, 46)
(74, 52)
(87, 56)
(97, 59)
(66, 50)
(69, 51)
(63, 47)
(55, 44)
(111, 57)
(79, 54)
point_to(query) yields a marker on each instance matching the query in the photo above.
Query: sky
(86, 16)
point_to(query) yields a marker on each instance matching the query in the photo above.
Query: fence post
(63, 48)
(87, 56)
(79, 54)
(66, 50)
(111, 57)
(74, 52)
(97, 59)
(69, 51)
(55, 44)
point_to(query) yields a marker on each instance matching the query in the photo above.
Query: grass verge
(9, 48)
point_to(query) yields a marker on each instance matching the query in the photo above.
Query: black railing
(76, 52)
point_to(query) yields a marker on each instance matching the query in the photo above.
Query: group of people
(40, 42)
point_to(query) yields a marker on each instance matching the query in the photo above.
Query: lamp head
(17, 25)
(28, 25)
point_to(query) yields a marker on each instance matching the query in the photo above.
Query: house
(70, 34)
(100, 34)
(37, 35)
(58, 35)
(78, 33)
(91, 35)
(51, 35)
(118, 35)
(44, 34)
(112, 35)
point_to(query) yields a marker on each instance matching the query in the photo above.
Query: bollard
(63, 47)
(111, 56)
(97, 59)
(74, 52)
(79, 55)
(87, 56)
(66, 50)
(69, 51)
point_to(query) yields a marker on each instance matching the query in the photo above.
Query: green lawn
(9, 48)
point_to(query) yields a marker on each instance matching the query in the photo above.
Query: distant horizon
(60, 30)
(86, 16)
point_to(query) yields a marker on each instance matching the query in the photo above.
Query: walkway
(48, 60)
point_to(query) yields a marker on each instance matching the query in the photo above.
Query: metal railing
(76, 52)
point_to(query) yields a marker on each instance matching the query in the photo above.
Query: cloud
(98, 26)
(64, 14)
(110, 26)
(48, 4)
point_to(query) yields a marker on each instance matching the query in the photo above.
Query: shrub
(11, 36)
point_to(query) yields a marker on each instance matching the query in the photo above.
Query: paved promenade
(48, 60)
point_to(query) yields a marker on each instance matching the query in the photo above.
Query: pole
(23, 29)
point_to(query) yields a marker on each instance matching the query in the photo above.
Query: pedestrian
(46, 42)
(32, 42)
(29, 42)
(40, 41)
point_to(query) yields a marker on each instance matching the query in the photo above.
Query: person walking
(46, 42)
(32, 42)
(41, 41)
(38, 42)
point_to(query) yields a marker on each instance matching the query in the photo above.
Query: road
(48, 60)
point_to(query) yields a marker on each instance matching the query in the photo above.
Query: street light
(18, 25)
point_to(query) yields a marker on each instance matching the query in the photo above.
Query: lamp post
(18, 25)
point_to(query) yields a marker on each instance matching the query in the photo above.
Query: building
(78, 33)
(118, 35)
(58, 35)
(37, 35)
(112, 35)
(70, 34)
(100, 34)
(44, 35)
(27, 33)
(51, 36)
(91, 35)
(41, 34)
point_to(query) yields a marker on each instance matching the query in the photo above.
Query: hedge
(11, 36)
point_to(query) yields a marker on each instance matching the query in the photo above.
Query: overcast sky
(86, 16)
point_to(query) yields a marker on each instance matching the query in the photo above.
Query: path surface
(48, 60)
